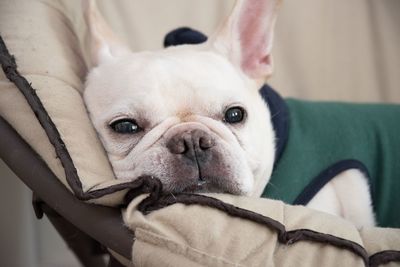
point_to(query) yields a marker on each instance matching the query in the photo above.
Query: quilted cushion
(47, 40)
(226, 230)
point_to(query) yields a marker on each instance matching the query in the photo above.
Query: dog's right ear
(104, 45)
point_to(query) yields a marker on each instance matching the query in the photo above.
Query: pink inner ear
(255, 33)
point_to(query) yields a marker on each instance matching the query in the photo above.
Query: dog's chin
(208, 185)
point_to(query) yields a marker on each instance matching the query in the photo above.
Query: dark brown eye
(234, 115)
(125, 126)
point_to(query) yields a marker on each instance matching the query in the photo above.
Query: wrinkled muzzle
(197, 156)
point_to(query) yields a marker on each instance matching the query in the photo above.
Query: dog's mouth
(205, 185)
(200, 186)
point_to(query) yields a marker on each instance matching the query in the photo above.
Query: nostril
(206, 142)
(185, 146)
(177, 145)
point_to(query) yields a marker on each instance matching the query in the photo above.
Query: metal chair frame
(88, 229)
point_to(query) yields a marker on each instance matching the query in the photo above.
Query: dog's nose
(191, 143)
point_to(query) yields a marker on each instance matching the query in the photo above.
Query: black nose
(193, 143)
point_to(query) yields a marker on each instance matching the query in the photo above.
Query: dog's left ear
(104, 44)
(246, 37)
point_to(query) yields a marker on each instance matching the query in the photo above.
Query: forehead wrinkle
(209, 98)
(168, 69)
(189, 75)
(178, 82)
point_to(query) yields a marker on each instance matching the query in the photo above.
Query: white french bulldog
(192, 115)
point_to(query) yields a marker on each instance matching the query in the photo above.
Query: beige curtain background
(324, 49)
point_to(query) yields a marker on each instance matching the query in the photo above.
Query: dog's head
(189, 115)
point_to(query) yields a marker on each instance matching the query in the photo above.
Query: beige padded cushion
(181, 235)
(49, 50)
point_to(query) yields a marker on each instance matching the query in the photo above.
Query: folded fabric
(226, 230)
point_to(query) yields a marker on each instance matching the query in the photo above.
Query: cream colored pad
(47, 39)
(193, 235)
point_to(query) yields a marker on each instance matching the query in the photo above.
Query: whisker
(276, 113)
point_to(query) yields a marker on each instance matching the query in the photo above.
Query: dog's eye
(234, 115)
(125, 126)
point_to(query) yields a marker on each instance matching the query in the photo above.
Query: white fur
(189, 87)
(166, 84)
(347, 195)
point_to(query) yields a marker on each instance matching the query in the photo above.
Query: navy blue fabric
(184, 35)
(327, 175)
(279, 117)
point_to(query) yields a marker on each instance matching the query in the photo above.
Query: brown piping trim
(310, 235)
(191, 199)
(10, 69)
(384, 257)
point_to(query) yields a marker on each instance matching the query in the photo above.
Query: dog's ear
(246, 37)
(101, 39)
